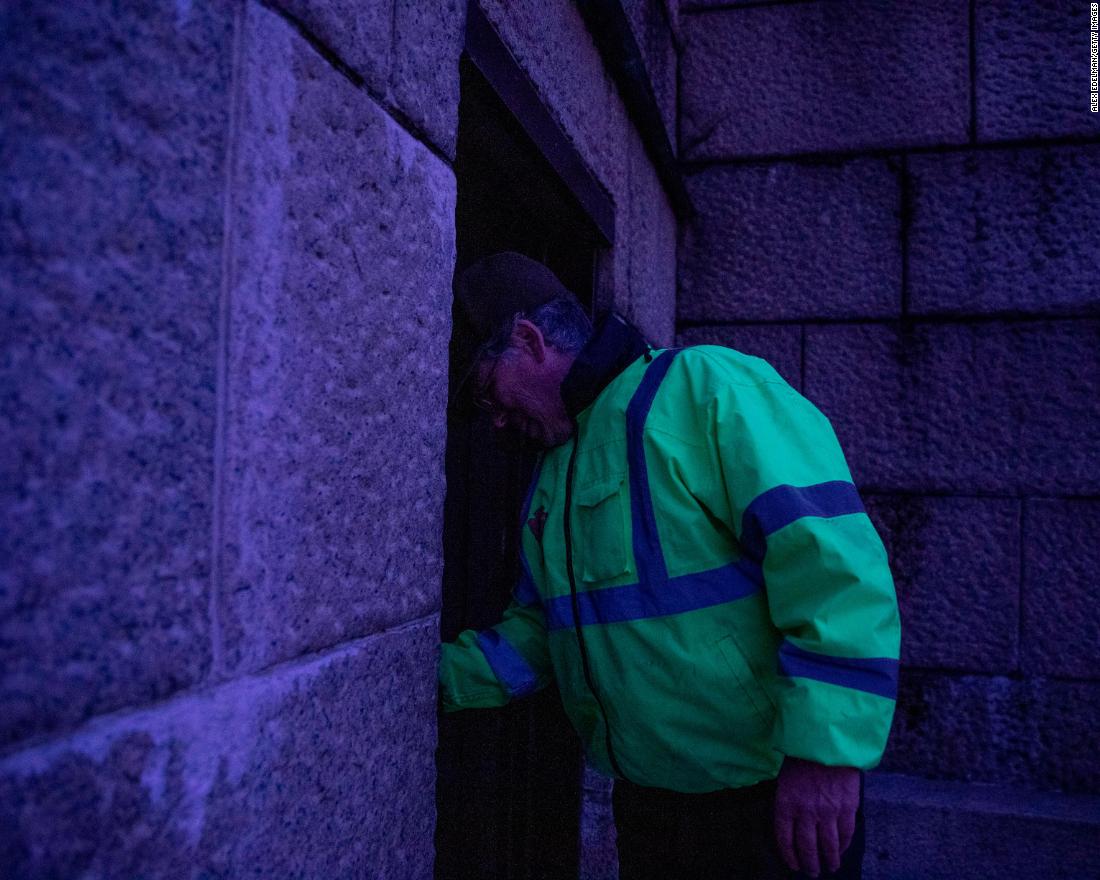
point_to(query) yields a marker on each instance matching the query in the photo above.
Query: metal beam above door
(511, 83)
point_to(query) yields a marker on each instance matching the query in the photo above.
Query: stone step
(920, 829)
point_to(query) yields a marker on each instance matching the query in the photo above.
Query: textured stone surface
(921, 830)
(340, 311)
(428, 38)
(997, 407)
(651, 23)
(779, 344)
(405, 51)
(1032, 69)
(1061, 602)
(956, 566)
(599, 859)
(649, 235)
(1005, 230)
(321, 770)
(801, 77)
(358, 32)
(697, 5)
(673, 17)
(110, 267)
(1038, 733)
(792, 240)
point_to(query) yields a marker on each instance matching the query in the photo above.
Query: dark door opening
(508, 784)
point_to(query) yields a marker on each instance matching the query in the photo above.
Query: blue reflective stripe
(508, 665)
(875, 675)
(525, 592)
(655, 594)
(648, 555)
(751, 569)
(782, 505)
(688, 592)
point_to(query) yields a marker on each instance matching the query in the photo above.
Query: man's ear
(527, 337)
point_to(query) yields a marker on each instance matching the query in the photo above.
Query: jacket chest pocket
(601, 518)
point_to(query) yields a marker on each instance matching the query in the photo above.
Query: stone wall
(227, 251)
(899, 206)
(226, 255)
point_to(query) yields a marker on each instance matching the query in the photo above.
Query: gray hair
(562, 321)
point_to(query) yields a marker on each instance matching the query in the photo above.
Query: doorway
(508, 780)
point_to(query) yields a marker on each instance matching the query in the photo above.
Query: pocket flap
(602, 517)
(595, 494)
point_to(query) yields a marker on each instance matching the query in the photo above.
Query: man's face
(523, 389)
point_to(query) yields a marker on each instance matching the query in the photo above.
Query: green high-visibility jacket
(701, 581)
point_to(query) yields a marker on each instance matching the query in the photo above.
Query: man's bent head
(521, 385)
(528, 329)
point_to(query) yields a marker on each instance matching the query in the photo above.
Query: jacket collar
(614, 346)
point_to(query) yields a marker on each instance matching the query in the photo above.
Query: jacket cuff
(832, 725)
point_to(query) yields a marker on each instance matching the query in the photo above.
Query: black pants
(727, 834)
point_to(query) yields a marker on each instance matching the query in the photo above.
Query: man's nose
(500, 419)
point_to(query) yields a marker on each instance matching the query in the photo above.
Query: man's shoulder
(718, 364)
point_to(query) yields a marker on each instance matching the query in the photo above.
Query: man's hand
(815, 814)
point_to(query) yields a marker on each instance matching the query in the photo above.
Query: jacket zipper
(577, 608)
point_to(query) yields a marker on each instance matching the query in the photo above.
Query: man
(699, 578)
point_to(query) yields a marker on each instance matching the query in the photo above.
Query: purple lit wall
(226, 284)
(227, 243)
(226, 248)
(899, 206)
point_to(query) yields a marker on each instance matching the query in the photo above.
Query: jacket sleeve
(803, 530)
(482, 670)
(486, 669)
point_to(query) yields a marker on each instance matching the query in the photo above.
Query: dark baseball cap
(489, 293)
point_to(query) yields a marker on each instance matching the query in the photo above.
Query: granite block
(806, 77)
(779, 344)
(359, 33)
(1061, 605)
(596, 784)
(1005, 230)
(428, 39)
(651, 25)
(649, 236)
(673, 17)
(956, 566)
(599, 859)
(924, 830)
(343, 243)
(792, 240)
(116, 122)
(1032, 70)
(1063, 719)
(687, 6)
(1007, 407)
(971, 728)
(1036, 733)
(406, 53)
(322, 770)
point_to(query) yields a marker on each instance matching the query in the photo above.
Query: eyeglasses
(481, 397)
